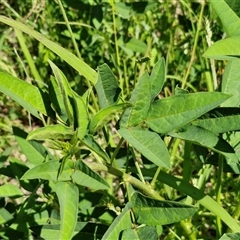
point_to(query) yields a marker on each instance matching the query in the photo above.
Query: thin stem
(137, 165)
(115, 32)
(116, 150)
(194, 46)
(78, 53)
(176, 183)
(159, 168)
(212, 62)
(218, 194)
(236, 212)
(127, 178)
(69, 29)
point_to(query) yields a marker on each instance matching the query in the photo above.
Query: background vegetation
(130, 37)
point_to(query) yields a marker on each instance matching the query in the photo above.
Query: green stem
(194, 46)
(127, 178)
(176, 183)
(69, 29)
(218, 194)
(137, 165)
(116, 150)
(78, 53)
(115, 32)
(236, 212)
(159, 168)
(187, 227)
(29, 59)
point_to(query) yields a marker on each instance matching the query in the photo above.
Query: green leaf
(234, 5)
(65, 91)
(10, 190)
(179, 91)
(57, 99)
(5, 216)
(230, 236)
(90, 142)
(121, 222)
(85, 176)
(107, 87)
(81, 115)
(176, 111)
(68, 195)
(220, 120)
(141, 233)
(136, 45)
(25, 221)
(157, 78)
(141, 100)
(149, 144)
(155, 212)
(105, 115)
(131, 8)
(226, 49)
(50, 171)
(29, 148)
(57, 131)
(231, 84)
(27, 95)
(83, 230)
(207, 139)
(198, 195)
(228, 17)
(67, 56)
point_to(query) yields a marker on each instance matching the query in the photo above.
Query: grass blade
(67, 56)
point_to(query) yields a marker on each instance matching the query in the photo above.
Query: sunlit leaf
(121, 222)
(140, 100)
(68, 195)
(27, 95)
(105, 115)
(140, 233)
(91, 143)
(85, 176)
(155, 212)
(57, 99)
(230, 236)
(136, 45)
(229, 19)
(10, 190)
(50, 171)
(220, 120)
(5, 216)
(65, 90)
(157, 77)
(149, 144)
(207, 139)
(107, 87)
(226, 49)
(29, 148)
(81, 115)
(231, 84)
(173, 112)
(57, 131)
